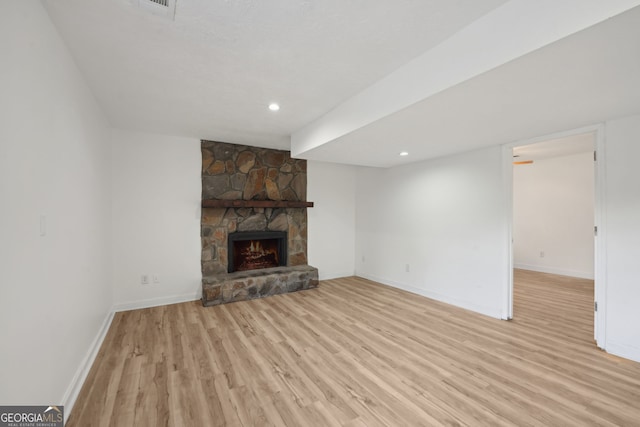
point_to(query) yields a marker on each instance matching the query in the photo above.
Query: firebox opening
(257, 250)
(255, 254)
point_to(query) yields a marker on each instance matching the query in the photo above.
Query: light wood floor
(357, 353)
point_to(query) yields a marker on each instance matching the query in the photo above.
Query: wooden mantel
(216, 203)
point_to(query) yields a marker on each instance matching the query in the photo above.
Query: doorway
(554, 208)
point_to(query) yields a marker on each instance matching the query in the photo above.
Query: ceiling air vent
(159, 7)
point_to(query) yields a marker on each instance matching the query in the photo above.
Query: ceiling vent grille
(159, 7)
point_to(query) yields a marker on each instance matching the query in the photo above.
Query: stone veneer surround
(244, 285)
(239, 172)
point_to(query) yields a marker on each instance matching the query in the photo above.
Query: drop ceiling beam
(509, 32)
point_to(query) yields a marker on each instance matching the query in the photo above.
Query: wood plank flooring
(356, 353)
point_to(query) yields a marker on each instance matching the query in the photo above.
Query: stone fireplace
(253, 223)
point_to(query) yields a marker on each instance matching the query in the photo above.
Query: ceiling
(584, 79)
(212, 72)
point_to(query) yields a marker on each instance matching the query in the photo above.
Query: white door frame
(600, 289)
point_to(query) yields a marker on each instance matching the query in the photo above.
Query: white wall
(622, 216)
(55, 290)
(446, 219)
(331, 222)
(553, 212)
(156, 218)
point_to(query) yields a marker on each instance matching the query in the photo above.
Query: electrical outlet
(362, 258)
(144, 279)
(541, 254)
(156, 279)
(406, 268)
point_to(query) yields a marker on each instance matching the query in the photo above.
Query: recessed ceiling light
(404, 153)
(274, 107)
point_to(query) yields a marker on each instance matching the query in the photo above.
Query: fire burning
(255, 254)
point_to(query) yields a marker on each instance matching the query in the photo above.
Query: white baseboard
(554, 270)
(70, 396)
(156, 302)
(467, 305)
(331, 276)
(623, 350)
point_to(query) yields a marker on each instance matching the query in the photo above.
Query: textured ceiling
(212, 72)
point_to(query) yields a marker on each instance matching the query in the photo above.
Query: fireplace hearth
(257, 250)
